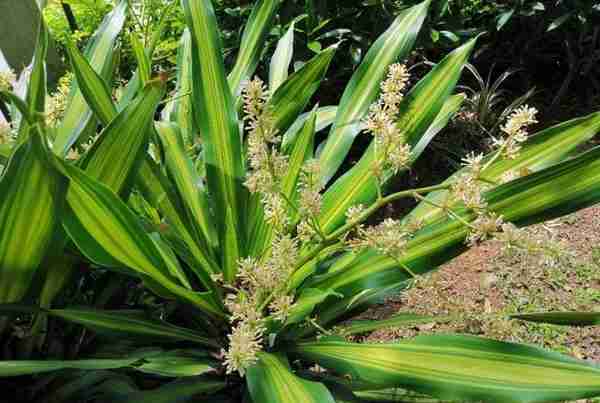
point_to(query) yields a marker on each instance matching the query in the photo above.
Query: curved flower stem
(340, 232)
(378, 205)
(448, 210)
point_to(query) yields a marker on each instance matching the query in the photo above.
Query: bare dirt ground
(486, 282)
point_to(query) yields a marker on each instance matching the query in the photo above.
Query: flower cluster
(57, 103)
(7, 80)
(310, 201)
(245, 342)
(392, 152)
(469, 190)
(260, 289)
(258, 281)
(486, 226)
(6, 133)
(310, 187)
(389, 237)
(354, 213)
(515, 130)
(268, 165)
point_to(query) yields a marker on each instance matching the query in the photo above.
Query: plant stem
(334, 236)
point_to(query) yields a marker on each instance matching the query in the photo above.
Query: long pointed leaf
(123, 142)
(158, 191)
(30, 209)
(253, 42)
(281, 60)
(133, 323)
(19, 368)
(462, 368)
(325, 117)
(92, 86)
(363, 88)
(188, 183)
(540, 151)
(179, 110)
(214, 106)
(99, 52)
(288, 102)
(562, 318)
(101, 225)
(271, 381)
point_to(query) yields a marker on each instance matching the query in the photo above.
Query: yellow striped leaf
(290, 99)
(217, 118)
(253, 42)
(271, 380)
(102, 227)
(134, 323)
(187, 182)
(30, 209)
(540, 151)
(281, 60)
(461, 368)
(363, 88)
(99, 52)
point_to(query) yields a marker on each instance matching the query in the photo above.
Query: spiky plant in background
(229, 209)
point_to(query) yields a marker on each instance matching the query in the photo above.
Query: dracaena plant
(229, 208)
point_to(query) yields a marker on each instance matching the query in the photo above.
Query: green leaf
(5, 152)
(179, 110)
(130, 322)
(540, 151)
(99, 52)
(271, 380)
(187, 182)
(363, 88)
(19, 368)
(92, 86)
(30, 210)
(503, 18)
(325, 117)
(253, 42)
(157, 190)
(559, 21)
(144, 68)
(36, 91)
(306, 303)
(281, 60)
(214, 105)
(101, 225)
(11, 99)
(170, 259)
(302, 151)
(562, 318)
(178, 363)
(123, 142)
(333, 312)
(553, 192)
(174, 392)
(461, 368)
(291, 98)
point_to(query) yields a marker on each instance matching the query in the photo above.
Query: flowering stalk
(390, 148)
(261, 289)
